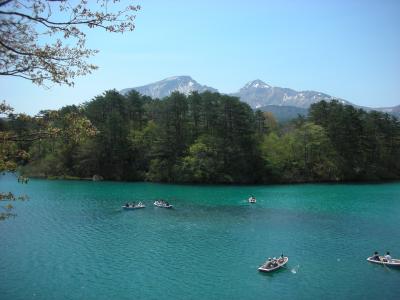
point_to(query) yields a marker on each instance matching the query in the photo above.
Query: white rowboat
(162, 204)
(268, 267)
(383, 261)
(252, 200)
(130, 207)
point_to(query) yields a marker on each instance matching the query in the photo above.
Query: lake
(71, 240)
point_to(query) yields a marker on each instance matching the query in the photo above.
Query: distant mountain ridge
(163, 88)
(256, 93)
(395, 110)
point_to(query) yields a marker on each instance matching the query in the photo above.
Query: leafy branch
(27, 26)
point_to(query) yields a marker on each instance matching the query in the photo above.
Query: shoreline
(76, 178)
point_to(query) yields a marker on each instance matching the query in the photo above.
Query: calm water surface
(72, 241)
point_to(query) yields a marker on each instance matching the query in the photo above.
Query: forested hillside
(212, 138)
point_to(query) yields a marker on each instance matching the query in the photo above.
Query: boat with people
(385, 260)
(130, 206)
(273, 264)
(252, 199)
(162, 203)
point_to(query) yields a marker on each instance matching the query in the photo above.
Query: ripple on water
(72, 241)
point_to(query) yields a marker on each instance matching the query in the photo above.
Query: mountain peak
(256, 93)
(257, 84)
(179, 78)
(163, 88)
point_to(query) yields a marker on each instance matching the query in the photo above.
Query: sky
(347, 49)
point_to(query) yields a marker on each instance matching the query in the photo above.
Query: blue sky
(348, 49)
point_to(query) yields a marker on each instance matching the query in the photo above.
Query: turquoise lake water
(71, 240)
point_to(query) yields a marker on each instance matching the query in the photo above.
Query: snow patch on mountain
(164, 88)
(256, 93)
(257, 84)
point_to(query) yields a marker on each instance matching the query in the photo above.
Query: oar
(387, 268)
(284, 267)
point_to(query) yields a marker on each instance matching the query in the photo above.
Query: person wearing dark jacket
(376, 256)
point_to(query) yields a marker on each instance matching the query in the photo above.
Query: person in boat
(275, 262)
(376, 256)
(281, 259)
(388, 257)
(126, 204)
(166, 204)
(269, 263)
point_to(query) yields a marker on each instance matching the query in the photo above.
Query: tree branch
(15, 51)
(24, 27)
(5, 2)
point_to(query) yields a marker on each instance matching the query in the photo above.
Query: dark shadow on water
(275, 273)
(384, 268)
(388, 269)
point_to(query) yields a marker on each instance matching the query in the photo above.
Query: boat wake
(295, 269)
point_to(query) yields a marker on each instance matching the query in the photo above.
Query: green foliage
(211, 138)
(368, 144)
(202, 164)
(51, 138)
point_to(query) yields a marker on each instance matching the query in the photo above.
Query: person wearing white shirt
(388, 257)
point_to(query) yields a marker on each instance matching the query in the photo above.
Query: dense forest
(208, 138)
